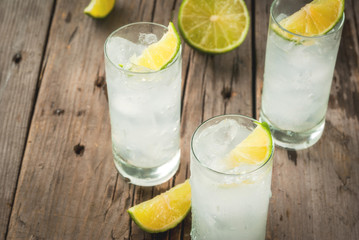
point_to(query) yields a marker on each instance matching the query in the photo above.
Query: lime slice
(158, 55)
(99, 8)
(255, 149)
(214, 26)
(164, 211)
(315, 18)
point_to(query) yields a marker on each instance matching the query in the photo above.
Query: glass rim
(132, 72)
(226, 173)
(340, 22)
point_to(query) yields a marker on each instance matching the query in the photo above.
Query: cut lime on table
(315, 18)
(99, 8)
(254, 149)
(158, 55)
(164, 211)
(213, 26)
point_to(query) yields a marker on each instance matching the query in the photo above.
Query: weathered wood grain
(260, 26)
(315, 190)
(159, 12)
(77, 190)
(68, 186)
(214, 85)
(23, 30)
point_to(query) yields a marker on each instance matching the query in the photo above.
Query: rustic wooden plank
(183, 230)
(289, 185)
(23, 30)
(260, 25)
(339, 148)
(160, 12)
(214, 85)
(315, 191)
(68, 187)
(192, 116)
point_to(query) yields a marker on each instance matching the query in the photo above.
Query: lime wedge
(99, 8)
(213, 26)
(158, 55)
(164, 211)
(255, 149)
(314, 19)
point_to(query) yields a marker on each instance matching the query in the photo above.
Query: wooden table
(57, 177)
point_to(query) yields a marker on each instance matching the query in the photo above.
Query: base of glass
(294, 140)
(147, 176)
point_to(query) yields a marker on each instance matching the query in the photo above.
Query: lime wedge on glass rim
(158, 55)
(99, 8)
(164, 211)
(255, 149)
(213, 26)
(314, 19)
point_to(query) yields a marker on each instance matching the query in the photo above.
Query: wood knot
(292, 156)
(100, 81)
(226, 93)
(58, 112)
(68, 17)
(17, 58)
(80, 113)
(79, 149)
(110, 192)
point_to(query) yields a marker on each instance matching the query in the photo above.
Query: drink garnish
(158, 55)
(99, 8)
(211, 27)
(164, 211)
(256, 148)
(314, 19)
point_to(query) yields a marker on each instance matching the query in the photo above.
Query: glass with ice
(297, 78)
(144, 106)
(230, 199)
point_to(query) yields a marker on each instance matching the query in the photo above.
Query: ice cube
(225, 131)
(215, 142)
(147, 38)
(281, 16)
(120, 50)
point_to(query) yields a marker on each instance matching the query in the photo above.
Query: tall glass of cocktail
(144, 100)
(301, 53)
(231, 169)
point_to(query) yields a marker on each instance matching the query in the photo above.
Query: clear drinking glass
(144, 107)
(297, 80)
(227, 204)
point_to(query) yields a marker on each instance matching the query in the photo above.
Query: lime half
(99, 8)
(164, 211)
(314, 19)
(213, 26)
(158, 55)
